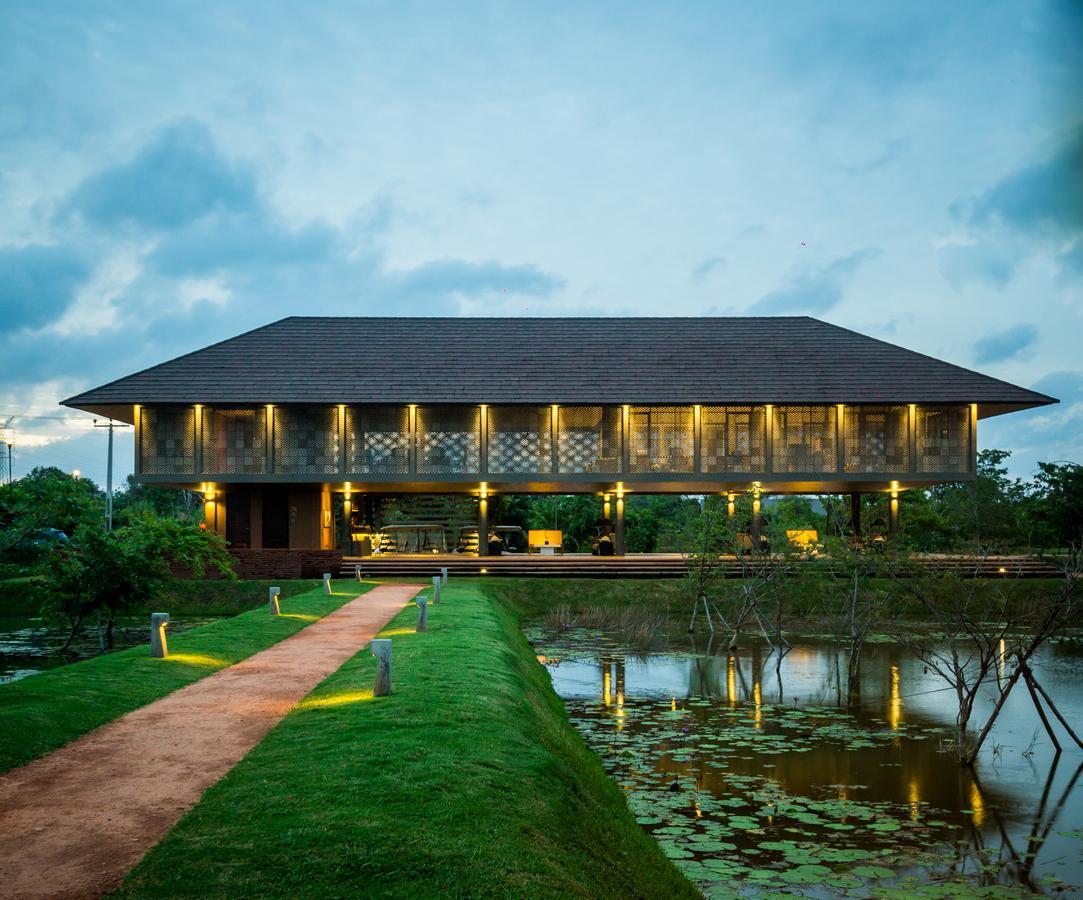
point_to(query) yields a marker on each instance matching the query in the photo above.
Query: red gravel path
(75, 822)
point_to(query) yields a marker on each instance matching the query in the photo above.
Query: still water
(756, 781)
(28, 645)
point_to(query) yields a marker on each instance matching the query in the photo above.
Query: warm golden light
(484, 490)
(757, 705)
(894, 716)
(977, 803)
(342, 699)
(914, 796)
(196, 659)
(731, 680)
(607, 687)
(304, 617)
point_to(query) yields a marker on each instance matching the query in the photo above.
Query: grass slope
(467, 781)
(45, 711)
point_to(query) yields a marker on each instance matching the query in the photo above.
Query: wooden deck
(650, 565)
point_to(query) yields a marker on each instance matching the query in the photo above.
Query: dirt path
(75, 822)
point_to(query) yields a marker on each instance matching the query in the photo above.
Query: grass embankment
(806, 601)
(45, 711)
(467, 781)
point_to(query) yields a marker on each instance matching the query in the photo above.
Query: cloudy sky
(172, 174)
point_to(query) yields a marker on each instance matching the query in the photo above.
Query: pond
(755, 781)
(28, 645)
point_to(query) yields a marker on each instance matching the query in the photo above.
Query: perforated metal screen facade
(520, 439)
(734, 438)
(661, 439)
(943, 439)
(306, 440)
(235, 441)
(392, 441)
(589, 439)
(448, 440)
(167, 440)
(378, 440)
(876, 439)
(804, 439)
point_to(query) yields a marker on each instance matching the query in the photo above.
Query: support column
(893, 516)
(757, 523)
(607, 507)
(483, 521)
(855, 515)
(731, 507)
(327, 520)
(618, 536)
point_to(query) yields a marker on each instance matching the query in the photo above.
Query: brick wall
(278, 564)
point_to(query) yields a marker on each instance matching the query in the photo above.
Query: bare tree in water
(978, 633)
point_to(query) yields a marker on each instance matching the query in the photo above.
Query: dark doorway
(276, 520)
(239, 520)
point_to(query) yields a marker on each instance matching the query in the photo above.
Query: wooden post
(618, 537)
(381, 649)
(436, 581)
(159, 648)
(272, 600)
(483, 524)
(422, 614)
(327, 582)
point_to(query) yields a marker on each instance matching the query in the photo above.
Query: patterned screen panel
(378, 440)
(589, 439)
(448, 439)
(520, 439)
(943, 438)
(167, 440)
(235, 441)
(734, 438)
(661, 438)
(306, 440)
(875, 439)
(804, 439)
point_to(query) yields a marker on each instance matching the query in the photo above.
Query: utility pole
(8, 441)
(109, 473)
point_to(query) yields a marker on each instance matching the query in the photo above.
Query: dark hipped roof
(566, 360)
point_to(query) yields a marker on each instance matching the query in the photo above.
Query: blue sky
(174, 174)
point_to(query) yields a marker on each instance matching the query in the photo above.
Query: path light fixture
(422, 614)
(357, 572)
(272, 600)
(327, 582)
(158, 647)
(443, 575)
(381, 649)
(436, 582)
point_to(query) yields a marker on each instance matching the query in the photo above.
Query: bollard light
(158, 646)
(422, 614)
(272, 600)
(357, 572)
(381, 649)
(327, 582)
(435, 588)
(443, 575)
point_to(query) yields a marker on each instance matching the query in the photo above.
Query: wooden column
(554, 430)
(697, 439)
(411, 443)
(769, 437)
(198, 422)
(483, 523)
(483, 438)
(912, 431)
(327, 520)
(618, 537)
(893, 516)
(269, 445)
(973, 437)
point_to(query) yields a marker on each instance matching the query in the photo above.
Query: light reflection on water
(1016, 803)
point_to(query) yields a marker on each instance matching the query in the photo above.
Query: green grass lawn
(45, 711)
(467, 781)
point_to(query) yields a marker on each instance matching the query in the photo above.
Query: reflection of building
(286, 427)
(612, 680)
